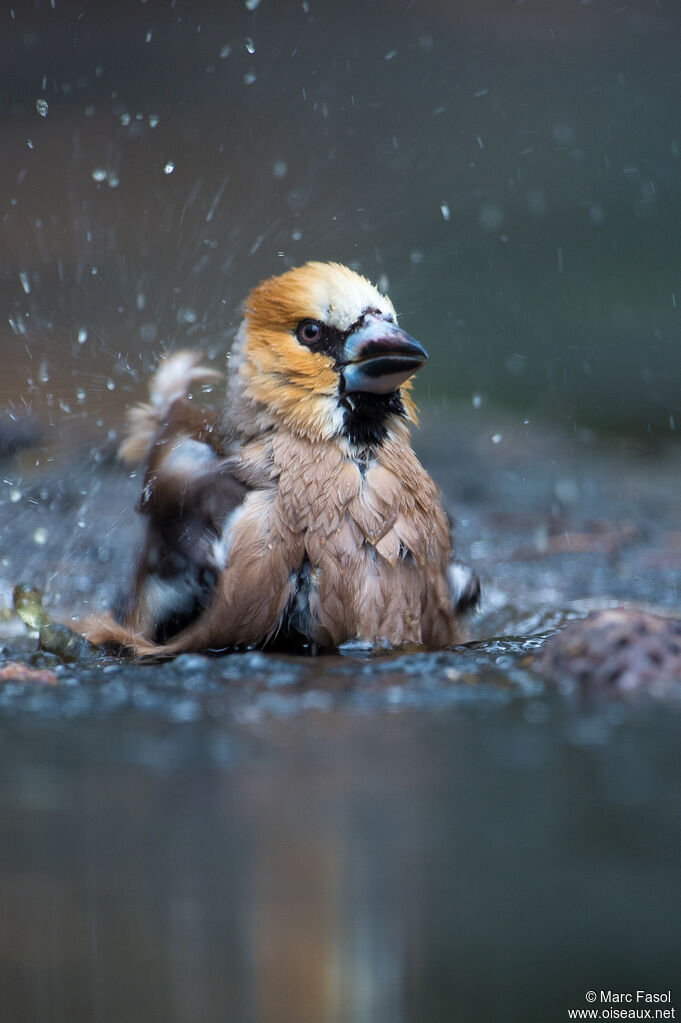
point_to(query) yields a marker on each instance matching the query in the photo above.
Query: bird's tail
(172, 380)
(104, 631)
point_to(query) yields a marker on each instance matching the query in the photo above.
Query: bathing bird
(297, 515)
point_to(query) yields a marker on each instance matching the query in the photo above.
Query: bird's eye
(309, 332)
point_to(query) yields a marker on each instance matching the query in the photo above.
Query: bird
(297, 515)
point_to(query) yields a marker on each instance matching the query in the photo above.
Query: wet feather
(267, 523)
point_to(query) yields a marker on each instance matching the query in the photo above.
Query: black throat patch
(366, 416)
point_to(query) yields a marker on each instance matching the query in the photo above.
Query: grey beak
(379, 357)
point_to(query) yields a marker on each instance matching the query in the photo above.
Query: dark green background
(550, 131)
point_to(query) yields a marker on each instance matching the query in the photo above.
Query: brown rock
(619, 650)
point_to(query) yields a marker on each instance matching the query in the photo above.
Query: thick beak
(379, 357)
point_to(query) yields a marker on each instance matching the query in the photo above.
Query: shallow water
(418, 836)
(488, 858)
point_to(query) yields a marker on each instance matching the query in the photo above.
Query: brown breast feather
(377, 545)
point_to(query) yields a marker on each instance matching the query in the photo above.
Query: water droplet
(110, 385)
(416, 256)
(249, 77)
(185, 314)
(477, 401)
(25, 283)
(169, 167)
(252, 4)
(112, 179)
(40, 536)
(44, 373)
(491, 216)
(99, 174)
(148, 37)
(81, 395)
(390, 55)
(125, 120)
(153, 120)
(445, 211)
(42, 107)
(82, 336)
(296, 235)
(225, 51)
(249, 44)
(15, 495)
(497, 438)
(280, 169)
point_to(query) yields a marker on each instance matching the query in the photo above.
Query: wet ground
(426, 836)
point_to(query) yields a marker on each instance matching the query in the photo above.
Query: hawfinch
(297, 516)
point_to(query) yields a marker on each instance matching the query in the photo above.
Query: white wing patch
(164, 597)
(186, 456)
(223, 544)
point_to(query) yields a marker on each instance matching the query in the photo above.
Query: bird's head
(320, 352)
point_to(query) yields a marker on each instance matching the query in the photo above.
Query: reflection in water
(337, 865)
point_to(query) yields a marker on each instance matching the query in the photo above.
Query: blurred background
(508, 169)
(253, 838)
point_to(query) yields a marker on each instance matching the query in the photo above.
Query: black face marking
(320, 337)
(365, 415)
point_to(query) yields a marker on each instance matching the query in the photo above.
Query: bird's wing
(192, 486)
(189, 495)
(219, 565)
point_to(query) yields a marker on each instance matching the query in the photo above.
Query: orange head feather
(288, 382)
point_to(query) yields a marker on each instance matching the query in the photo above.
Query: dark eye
(308, 332)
